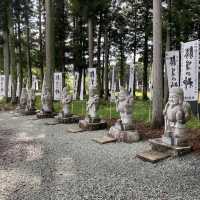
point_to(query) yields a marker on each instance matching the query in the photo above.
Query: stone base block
(45, 115)
(160, 146)
(175, 141)
(85, 125)
(124, 136)
(30, 112)
(68, 120)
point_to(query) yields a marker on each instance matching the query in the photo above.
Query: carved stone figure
(30, 107)
(92, 104)
(65, 101)
(23, 99)
(123, 128)
(46, 101)
(176, 114)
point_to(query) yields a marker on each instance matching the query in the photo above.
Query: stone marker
(65, 116)
(123, 130)
(92, 121)
(176, 137)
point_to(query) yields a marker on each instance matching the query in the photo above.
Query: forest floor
(43, 162)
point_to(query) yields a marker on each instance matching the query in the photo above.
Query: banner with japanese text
(189, 69)
(131, 80)
(172, 62)
(92, 73)
(58, 85)
(2, 85)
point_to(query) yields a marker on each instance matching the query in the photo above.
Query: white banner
(113, 85)
(9, 86)
(35, 83)
(75, 85)
(58, 85)
(172, 62)
(92, 73)
(189, 69)
(82, 87)
(2, 85)
(131, 80)
(17, 91)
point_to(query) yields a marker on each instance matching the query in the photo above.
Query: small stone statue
(46, 101)
(65, 101)
(30, 107)
(92, 104)
(123, 130)
(176, 114)
(23, 99)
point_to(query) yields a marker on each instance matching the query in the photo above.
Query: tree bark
(157, 117)
(106, 93)
(50, 56)
(90, 40)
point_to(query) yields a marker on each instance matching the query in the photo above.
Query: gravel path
(45, 162)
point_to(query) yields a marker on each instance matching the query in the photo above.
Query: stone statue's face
(175, 99)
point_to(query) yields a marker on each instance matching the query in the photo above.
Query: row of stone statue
(176, 114)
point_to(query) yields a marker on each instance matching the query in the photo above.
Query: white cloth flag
(92, 73)
(82, 86)
(9, 86)
(58, 85)
(2, 85)
(131, 80)
(17, 91)
(189, 69)
(75, 85)
(172, 62)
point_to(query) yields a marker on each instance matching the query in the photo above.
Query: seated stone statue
(46, 101)
(176, 114)
(30, 107)
(65, 102)
(92, 104)
(23, 99)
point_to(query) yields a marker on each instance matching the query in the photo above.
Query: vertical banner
(35, 84)
(131, 80)
(189, 69)
(82, 87)
(92, 73)
(9, 86)
(172, 62)
(113, 85)
(2, 85)
(58, 85)
(17, 91)
(75, 85)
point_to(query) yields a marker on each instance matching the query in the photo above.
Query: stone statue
(30, 101)
(46, 101)
(176, 114)
(124, 105)
(23, 99)
(92, 104)
(65, 101)
(123, 130)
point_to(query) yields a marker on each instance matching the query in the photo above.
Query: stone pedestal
(44, 115)
(91, 125)
(128, 136)
(68, 120)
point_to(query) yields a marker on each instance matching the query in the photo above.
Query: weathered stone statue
(30, 107)
(65, 102)
(92, 121)
(176, 114)
(92, 104)
(65, 116)
(123, 128)
(23, 100)
(46, 101)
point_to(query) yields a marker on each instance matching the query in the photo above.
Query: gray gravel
(45, 162)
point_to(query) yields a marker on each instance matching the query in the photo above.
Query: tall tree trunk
(99, 56)
(90, 40)
(6, 59)
(28, 51)
(41, 63)
(157, 117)
(145, 73)
(106, 93)
(122, 62)
(50, 56)
(12, 54)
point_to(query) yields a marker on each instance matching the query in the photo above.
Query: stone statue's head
(176, 96)
(123, 93)
(92, 90)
